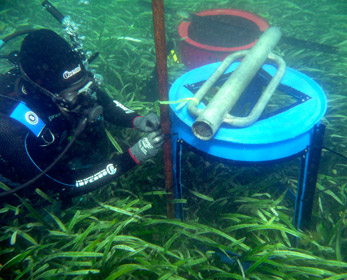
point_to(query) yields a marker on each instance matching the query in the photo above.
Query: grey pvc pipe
(217, 111)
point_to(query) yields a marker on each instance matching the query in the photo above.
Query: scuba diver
(46, 101)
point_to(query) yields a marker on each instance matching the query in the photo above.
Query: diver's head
(48, 62)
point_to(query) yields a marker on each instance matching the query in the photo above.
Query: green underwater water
(238, 219)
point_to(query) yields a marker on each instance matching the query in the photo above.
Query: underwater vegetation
(122, 239)
(238, 222)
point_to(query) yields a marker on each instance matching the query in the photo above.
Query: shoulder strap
(23, 114)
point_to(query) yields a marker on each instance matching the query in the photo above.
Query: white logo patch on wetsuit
(110, 169)
(68, 74)
(31, 118)
(125, 109)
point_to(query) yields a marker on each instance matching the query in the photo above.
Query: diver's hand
(147, 147)
(148, 123)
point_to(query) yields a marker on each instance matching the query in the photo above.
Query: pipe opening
(202, 130)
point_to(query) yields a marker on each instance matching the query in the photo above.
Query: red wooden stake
(160, 47)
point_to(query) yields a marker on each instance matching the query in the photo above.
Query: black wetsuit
(23, 154)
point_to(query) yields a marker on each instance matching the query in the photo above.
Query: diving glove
(147, 147)
(148, 123)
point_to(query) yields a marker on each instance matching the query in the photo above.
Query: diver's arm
(88, 179)
(115, 112)
(118, 114)
(26, 159)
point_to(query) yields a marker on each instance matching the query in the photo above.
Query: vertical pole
(160, 47)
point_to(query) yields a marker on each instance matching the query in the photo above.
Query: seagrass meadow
(238, 222)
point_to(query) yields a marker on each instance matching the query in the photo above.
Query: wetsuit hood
(49, 61)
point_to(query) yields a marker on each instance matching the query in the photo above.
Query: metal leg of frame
(176, 159)
(307, 179)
